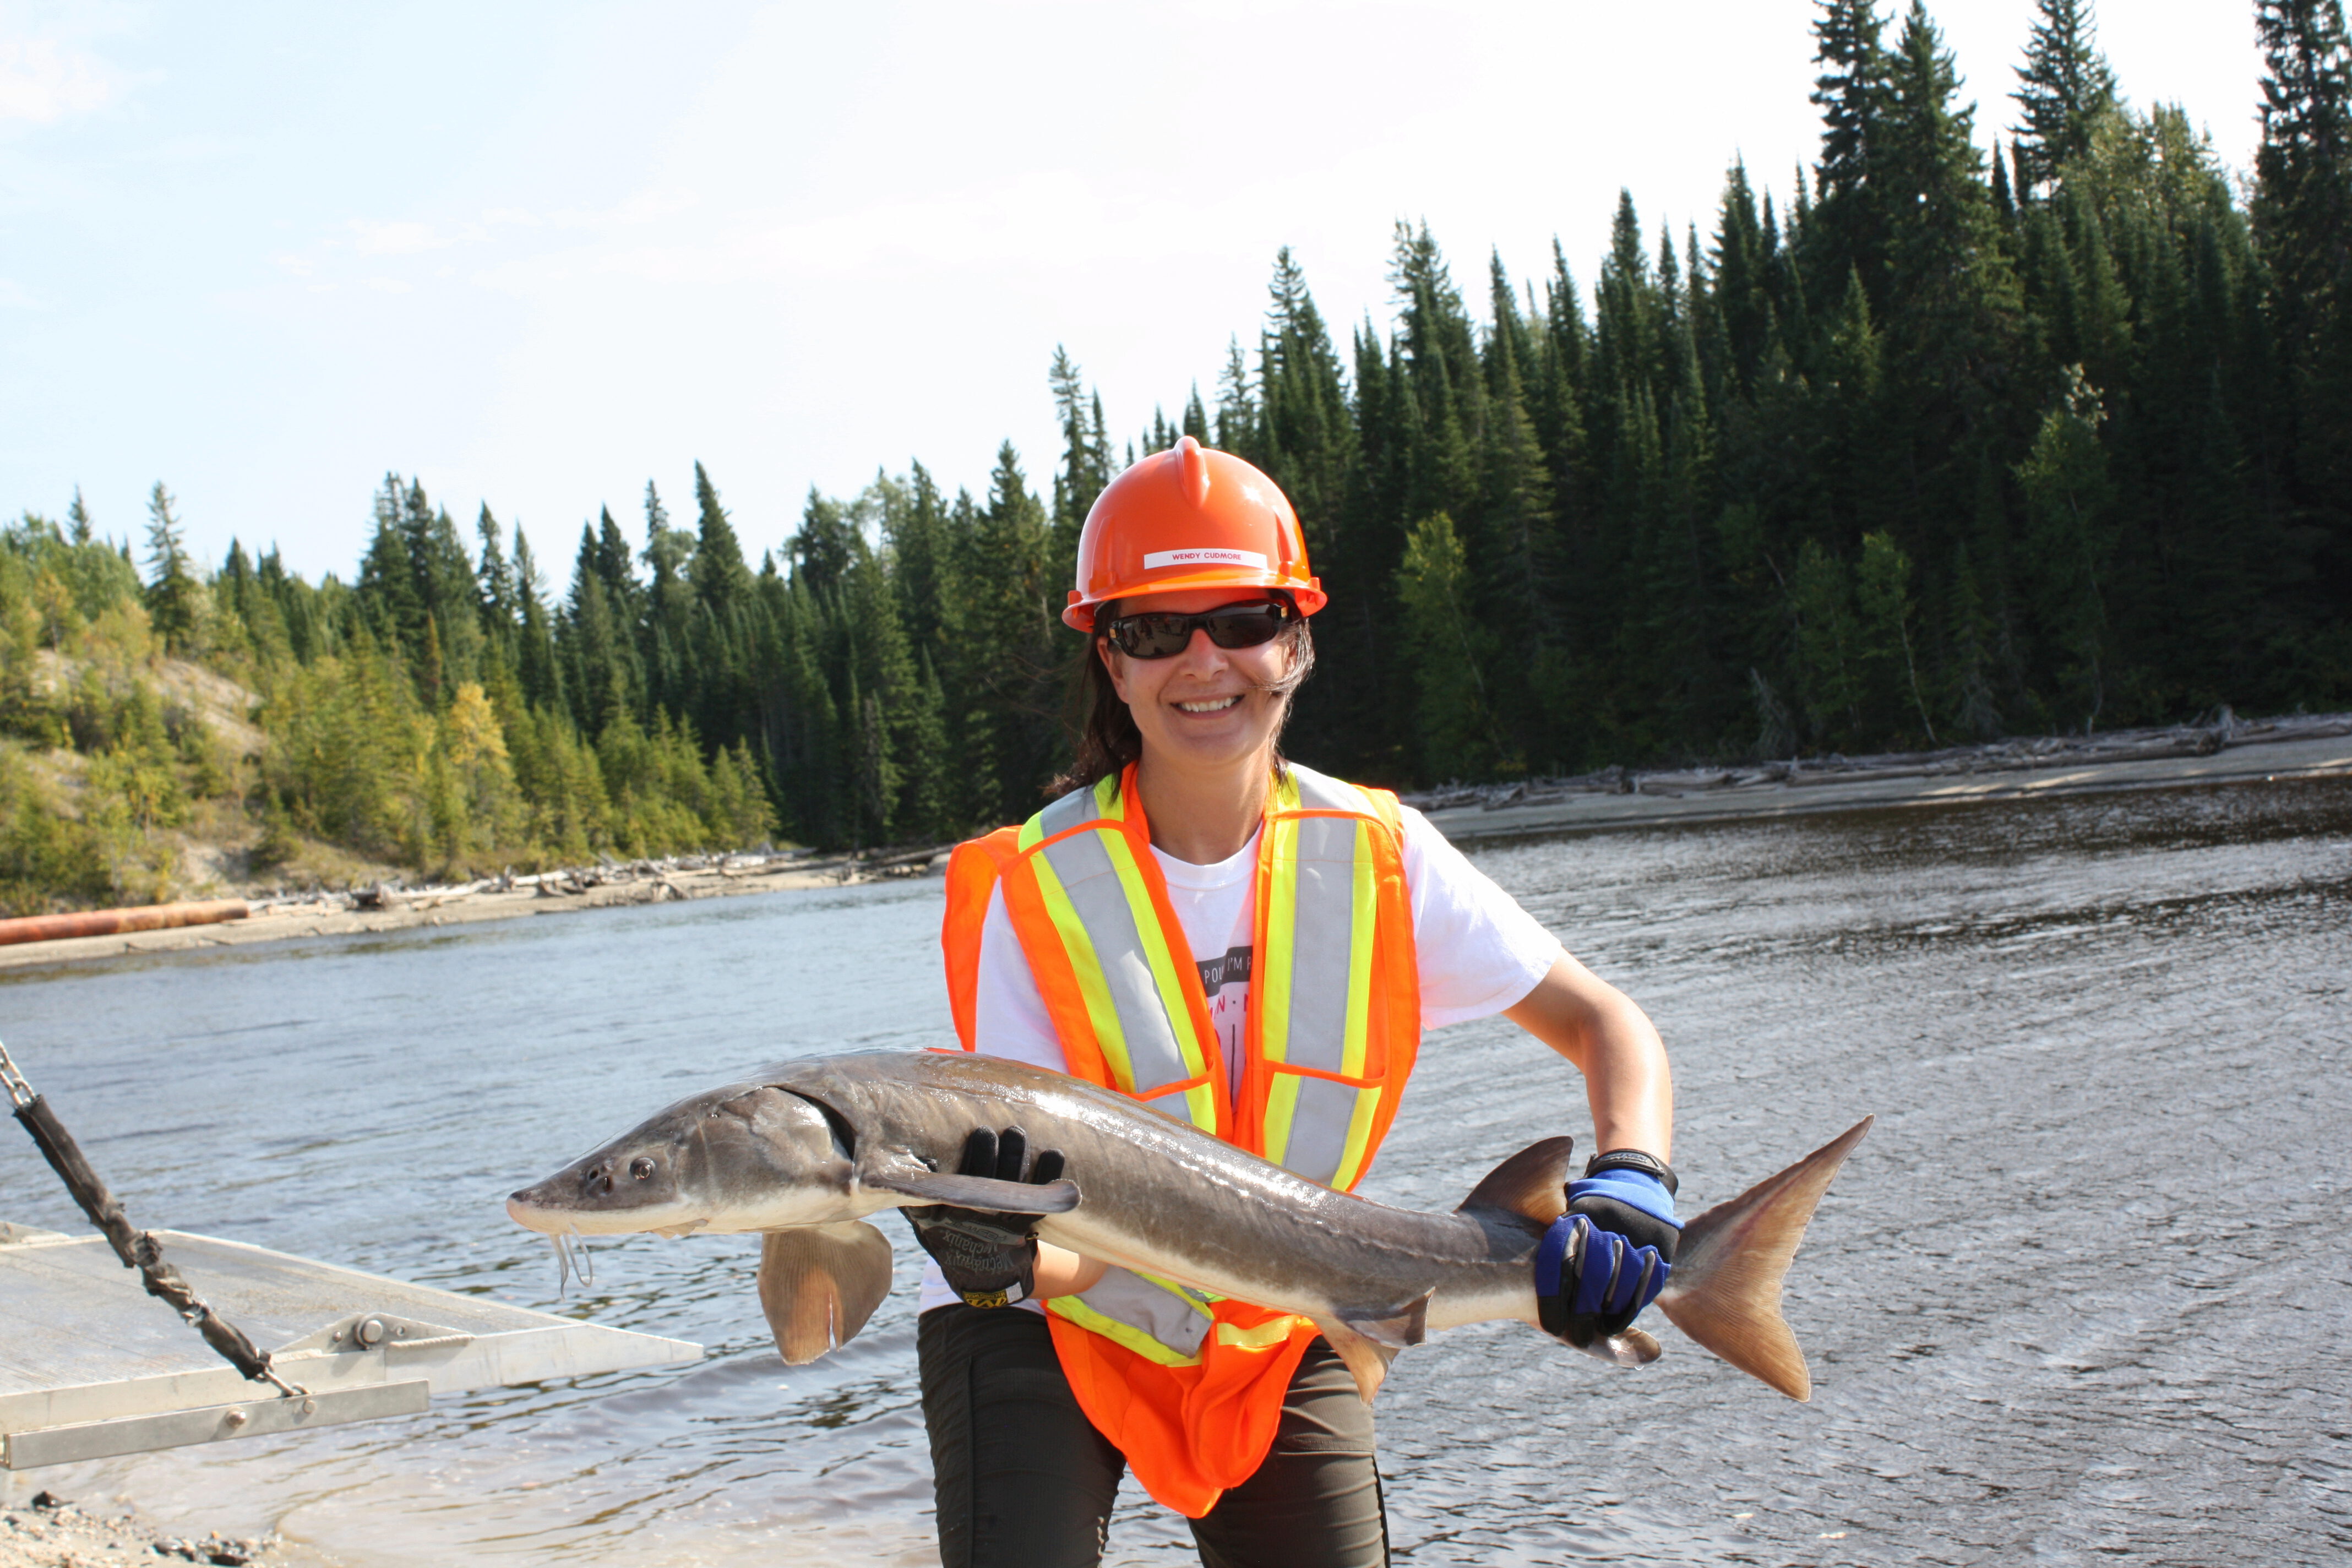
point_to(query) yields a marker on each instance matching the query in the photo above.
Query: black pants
(1025, 1480)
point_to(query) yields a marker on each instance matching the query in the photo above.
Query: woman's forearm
(1061, 1272)
(1627, 1081)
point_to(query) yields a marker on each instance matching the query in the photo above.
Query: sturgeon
(806, 1151)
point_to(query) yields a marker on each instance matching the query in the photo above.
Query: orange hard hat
(1189, 517)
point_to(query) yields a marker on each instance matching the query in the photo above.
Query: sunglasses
(1158, 634)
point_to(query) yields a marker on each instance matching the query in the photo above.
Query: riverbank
(51, 1532)
(2229, 750)
(391, 907)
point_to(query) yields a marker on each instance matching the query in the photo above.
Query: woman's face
(1207, 707)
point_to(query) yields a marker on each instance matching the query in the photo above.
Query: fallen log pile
(2222, 731)
(652, 881)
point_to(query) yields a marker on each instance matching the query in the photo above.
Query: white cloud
(395, 238)
(43, 81)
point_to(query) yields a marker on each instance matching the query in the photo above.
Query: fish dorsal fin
(820, 1283)
(1531, 1184)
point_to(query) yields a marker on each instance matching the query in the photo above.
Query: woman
(1246, 944)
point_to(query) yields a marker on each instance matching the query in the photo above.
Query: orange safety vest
(1190, 1385)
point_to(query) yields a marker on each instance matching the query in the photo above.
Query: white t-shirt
(1477, 951)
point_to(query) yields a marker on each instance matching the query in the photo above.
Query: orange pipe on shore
(111, 922)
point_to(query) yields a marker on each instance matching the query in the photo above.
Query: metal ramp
(91, 1366)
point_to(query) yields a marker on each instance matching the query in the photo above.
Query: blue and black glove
(1610, 1255)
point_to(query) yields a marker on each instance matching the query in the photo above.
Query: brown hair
(1104, 736)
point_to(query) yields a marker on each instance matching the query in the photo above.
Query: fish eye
(641, 1168)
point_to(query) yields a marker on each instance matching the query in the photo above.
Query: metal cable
(20, 1093)
(137, 1248)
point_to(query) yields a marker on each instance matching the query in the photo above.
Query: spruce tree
(2302, 220)
(718, 573)
(2064, 87)
(173, 594)
(1849, 224)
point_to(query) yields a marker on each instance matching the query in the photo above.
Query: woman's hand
(989, 1255)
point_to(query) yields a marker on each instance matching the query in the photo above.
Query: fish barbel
(807, 1149)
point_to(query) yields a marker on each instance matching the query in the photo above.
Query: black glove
(1624, 1208)
(989, 1256)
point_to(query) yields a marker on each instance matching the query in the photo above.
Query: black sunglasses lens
(1245, 628)
(1161, 634)
(1151, 636)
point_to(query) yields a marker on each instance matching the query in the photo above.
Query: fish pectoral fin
(1398, 1329)
(820, 1283)
(1367, 1359)
(976, 1191)
(1632, 1348)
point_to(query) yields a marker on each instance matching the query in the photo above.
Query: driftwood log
(111, 922)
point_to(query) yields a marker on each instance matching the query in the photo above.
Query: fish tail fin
(1725, 1292)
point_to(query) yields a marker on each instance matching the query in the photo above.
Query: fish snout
(528, 1208)
(615, 1190)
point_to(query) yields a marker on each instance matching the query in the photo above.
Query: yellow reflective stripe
(1087, 967)
(1075, 1308)
(1265, 1336)
(1360, 1134)
(1281, 1111)
(1106, 801)
(1363, 917)
(1363, 911)
(1200, 1101)
(1032, 831)
(1271, 983)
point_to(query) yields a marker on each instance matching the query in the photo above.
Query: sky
(535, 254)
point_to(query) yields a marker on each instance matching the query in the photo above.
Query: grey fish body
(1163, 1197)
(805, 1149)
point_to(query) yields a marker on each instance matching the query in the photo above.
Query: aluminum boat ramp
(91, 1366)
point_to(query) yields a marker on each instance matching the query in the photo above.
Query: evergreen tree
(2064, 87)
(1085, 457)
(719, 576)
(1849, 223)
(1450, 646)
(2302, 219)
(174, 596)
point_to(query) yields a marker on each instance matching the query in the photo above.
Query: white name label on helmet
(1249, 557)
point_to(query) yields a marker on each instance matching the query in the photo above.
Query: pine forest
(1963, 431)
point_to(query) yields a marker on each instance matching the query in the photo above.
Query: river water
(2081, 1297)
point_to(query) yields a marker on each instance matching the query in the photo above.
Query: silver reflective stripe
(1319, 1129)
(1154, 1057)
(1066, 813)
(1319, 791)
(1321, 942)
(1174, 1318)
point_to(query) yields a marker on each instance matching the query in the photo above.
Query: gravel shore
(50, 1531)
